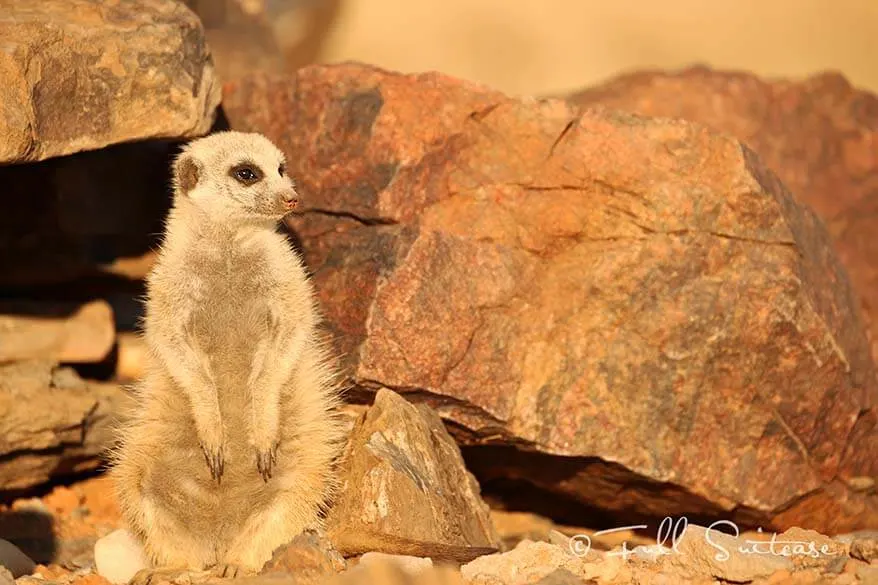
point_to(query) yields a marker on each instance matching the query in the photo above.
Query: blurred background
(548, 46)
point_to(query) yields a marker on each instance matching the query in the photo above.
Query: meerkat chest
(233, 305)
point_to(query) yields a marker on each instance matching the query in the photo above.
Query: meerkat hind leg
(168, 542)
(264, 532)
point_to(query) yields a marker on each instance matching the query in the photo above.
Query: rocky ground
(559, 316)
(71, 519)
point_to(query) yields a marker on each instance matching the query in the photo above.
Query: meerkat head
(235, 176)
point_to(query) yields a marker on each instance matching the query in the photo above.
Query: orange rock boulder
(632, 312)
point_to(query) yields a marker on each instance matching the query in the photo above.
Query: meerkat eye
(246, 174)
(282, 169)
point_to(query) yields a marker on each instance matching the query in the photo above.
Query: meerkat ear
(187, 172)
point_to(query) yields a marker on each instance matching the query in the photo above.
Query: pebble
(119, 556)
(11, 557)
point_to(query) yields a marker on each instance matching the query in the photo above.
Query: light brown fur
(229, 451)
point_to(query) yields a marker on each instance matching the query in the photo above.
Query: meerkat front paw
(158, 576)
(266, 459)
(209, 430)
(213, 456)
(228, 571)
(265, 439)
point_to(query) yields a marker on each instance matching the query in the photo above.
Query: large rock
(820, 135)
(405, 490)
(636, 311)
(53, 423)
(83, 74)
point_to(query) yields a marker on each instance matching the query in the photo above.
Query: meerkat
(229, 451)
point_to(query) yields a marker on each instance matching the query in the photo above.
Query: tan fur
(229, 451)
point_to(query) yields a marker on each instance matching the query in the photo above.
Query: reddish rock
(820, 136)
(865, 546)
(309, 556)
(636, 310)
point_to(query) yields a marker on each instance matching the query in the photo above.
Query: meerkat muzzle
(290, 200)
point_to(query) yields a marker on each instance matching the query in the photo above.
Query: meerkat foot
(215, 461)
(266, 459)
(228, 571)
(156, 576)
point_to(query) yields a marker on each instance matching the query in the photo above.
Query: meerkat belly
(228, 326)
(231, 323)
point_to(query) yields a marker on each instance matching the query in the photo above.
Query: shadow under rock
(32, 531)
(607, 494)
(64, 218)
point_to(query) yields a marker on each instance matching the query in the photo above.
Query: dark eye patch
(282, 169)
(246, 173)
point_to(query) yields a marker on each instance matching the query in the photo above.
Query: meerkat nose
(291, 198)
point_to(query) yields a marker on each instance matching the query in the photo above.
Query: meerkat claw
(264, 462)
(215, 461)
(225, 571)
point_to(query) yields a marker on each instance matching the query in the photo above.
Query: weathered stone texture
(404, 486)
(83, 74)
(53, 423)
(820, 135)
(640, 302)
(65, 332)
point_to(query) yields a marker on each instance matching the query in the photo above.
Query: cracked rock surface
(603, 299)
(405, 489)
(54, 423)
(819, 134)
(83, 74)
